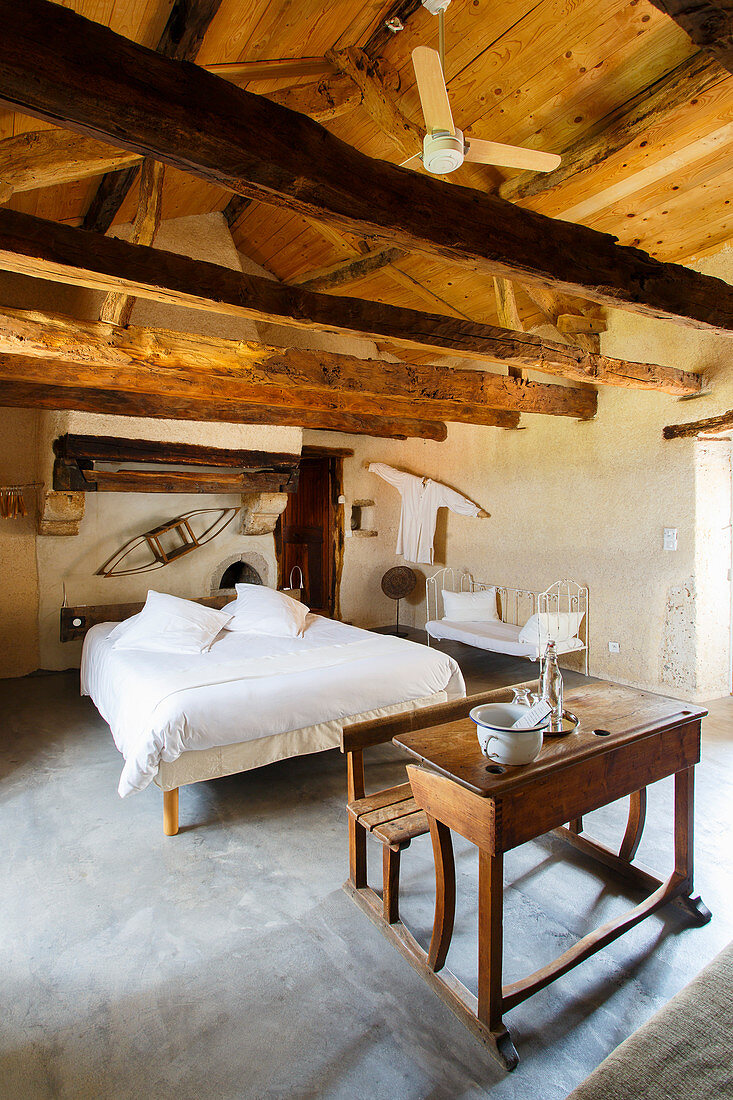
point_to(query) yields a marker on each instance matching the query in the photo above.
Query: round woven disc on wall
(398, 582)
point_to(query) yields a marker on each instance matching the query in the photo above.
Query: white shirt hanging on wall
(421, 498)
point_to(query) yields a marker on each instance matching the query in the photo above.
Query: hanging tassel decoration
(12, 502)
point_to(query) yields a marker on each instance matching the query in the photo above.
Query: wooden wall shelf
(76, 468)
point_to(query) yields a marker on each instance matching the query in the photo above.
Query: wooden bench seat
(395, 819)
(391, 815)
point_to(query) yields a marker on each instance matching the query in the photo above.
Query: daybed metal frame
(514, 605)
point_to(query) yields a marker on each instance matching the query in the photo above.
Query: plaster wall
(112, 519)
(587, 501)
(19, 429)
(18, 577)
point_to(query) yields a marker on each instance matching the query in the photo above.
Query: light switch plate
(614, 647)
(670, 538)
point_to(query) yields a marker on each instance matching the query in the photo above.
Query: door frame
(335, 457)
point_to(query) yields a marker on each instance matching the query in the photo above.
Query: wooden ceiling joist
(283, 68)
(378, 102)
(709, 23)
(181, 40)
(40, 249)
(46, 158)
(174, 406)
(117, 308)
(321, 100)
(70, 71)
(272, 376)
(348, 271)
(691, 78)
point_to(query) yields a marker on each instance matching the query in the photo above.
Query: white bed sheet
(248, 687)
(493, 635)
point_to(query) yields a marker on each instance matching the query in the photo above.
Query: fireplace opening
(239, 572)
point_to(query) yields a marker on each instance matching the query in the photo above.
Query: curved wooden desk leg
(445, 894)
(170, 812)
(635, 825)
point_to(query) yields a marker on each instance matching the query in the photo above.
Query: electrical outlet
(614, 647)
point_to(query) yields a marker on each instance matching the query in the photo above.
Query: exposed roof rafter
(31, 246)
(66, 69)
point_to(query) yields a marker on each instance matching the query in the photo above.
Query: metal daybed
(514, 607)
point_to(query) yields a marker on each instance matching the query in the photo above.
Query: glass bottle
(551, 687)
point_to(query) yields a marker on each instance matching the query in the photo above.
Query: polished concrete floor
(228, 963)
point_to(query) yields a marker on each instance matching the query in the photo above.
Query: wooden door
(308, 535)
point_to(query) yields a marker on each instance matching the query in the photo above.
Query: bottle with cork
(551, 688)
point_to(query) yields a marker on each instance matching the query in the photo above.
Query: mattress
(496, 636)
(248, 688)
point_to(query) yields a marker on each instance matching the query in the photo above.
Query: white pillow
(261, 610)
(168, 624)
(470, 607)
(558, 626)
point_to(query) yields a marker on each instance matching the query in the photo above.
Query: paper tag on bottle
(534, 716)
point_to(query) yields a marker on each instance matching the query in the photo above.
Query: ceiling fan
(444, 147)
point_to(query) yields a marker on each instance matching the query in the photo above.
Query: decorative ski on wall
(169, 542)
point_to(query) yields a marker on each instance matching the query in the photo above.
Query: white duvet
(247, 687)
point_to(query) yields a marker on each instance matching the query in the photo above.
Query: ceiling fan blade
(432, 90)
(510, 156)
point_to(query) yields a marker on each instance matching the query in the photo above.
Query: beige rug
(684, 1051)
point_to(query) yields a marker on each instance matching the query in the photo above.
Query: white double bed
(252, 699)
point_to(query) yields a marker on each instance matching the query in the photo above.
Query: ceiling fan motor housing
(443, 151)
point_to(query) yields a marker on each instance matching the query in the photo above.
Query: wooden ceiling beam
(59, 66)
(50, 394)
(507, 312)
(181, 40)
(649, 107)
(284, 68)
(378, 101)
(711, 424)
(117, 308)
(46, 158)
(709, 23)
(48, 250)
(348, 271)
(257, 372)
(321, 100)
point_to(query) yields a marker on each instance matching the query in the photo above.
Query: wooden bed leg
(170, 812)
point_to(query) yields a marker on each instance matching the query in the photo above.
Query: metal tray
(570, 722)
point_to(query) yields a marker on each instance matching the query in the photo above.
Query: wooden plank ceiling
(550, 74)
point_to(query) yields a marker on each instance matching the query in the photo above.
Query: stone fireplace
(246, 568)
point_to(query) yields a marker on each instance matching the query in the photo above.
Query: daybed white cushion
(497, 637)
(168, 624)
(261, 610)
(556, 625)
(470, 607)
(494, 635)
